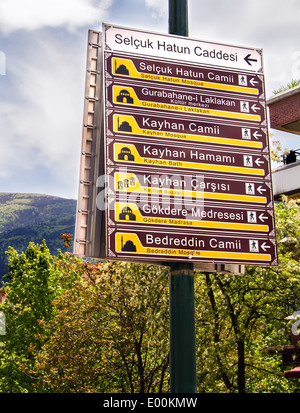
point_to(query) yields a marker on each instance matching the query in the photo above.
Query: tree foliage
(109, 332)
(293, 83)
(28, 218)
(32, 287)
(77, 326)
(240, 315)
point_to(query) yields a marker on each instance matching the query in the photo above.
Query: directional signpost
(175, 130)
(187, 154)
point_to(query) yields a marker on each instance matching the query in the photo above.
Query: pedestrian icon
(244, 106)
(248, 161)
(249, 188)
(246, 133)
(253, 245)
(242, 80)
(251, 216)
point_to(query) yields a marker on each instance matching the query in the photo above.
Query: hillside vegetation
(33, 217)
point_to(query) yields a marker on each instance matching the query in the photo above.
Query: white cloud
(159, 7)
(42, 92)
(41, 126)
(269, 24)
(36, 14)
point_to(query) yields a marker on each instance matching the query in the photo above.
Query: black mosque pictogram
(124, 97)
(125, 155)
(121, 70)
(127, 214)
(128, 246)
(125, 126)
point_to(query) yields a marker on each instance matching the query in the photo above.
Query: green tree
(32, 286)
(74, 326)
(239, 315)
(110, 333)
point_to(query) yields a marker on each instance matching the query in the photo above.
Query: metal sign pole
(182, 313)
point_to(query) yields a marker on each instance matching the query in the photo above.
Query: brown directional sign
(177, 73)
(186, 157)
(199, 186)
(186, 151)
(178, 129)
(157, 245)
(187, 101)
(193, 216)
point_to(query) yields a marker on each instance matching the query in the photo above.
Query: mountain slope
(33, 217)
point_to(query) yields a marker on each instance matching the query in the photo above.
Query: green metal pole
(182, 311)
(182, 329)
(178, 17)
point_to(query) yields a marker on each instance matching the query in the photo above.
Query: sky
(43, 47)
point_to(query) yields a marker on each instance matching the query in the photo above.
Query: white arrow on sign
(264, 246)
(256, 135)
(258, 162)
(261, 189)
(254, 108)
(252, 81)
(262, 217)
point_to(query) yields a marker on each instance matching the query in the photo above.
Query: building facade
(284, 112)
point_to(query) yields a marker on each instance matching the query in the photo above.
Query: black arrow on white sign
(249, 60)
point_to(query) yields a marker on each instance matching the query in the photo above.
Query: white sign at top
(139, 42)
